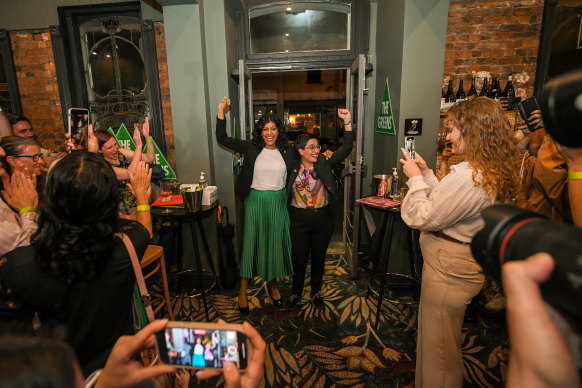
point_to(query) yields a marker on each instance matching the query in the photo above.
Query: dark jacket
(323, 168)
(250, 151)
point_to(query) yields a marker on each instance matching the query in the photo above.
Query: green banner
(125, 140)
(385, 123)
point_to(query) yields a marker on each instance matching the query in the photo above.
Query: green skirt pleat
(266, 241)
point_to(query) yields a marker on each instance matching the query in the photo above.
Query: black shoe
(276, 302)
(317, 300)
(292, 301)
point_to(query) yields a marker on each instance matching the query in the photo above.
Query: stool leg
(385, 268)
(198, 265)
(166, 290)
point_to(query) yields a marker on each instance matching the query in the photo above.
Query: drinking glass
(166, 194)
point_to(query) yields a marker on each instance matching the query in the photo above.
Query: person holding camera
(448, 214)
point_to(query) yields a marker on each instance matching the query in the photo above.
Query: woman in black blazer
(266, 242)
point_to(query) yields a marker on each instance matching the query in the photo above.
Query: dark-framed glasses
(34, 157)
(313, 147)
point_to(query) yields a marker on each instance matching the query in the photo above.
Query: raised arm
(140, 187)
(150, 154)
(222, 138)
(341, 153)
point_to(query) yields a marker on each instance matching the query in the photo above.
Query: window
(301, 30)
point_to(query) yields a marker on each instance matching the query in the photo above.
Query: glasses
(34, 157)
(313, 147)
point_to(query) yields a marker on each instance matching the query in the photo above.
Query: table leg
(198, 265)
(376, 250)
(385, 267)
(206, 247)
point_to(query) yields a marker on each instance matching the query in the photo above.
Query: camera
(511, 233)
(561, 106)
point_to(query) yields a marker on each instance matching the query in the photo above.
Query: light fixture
(289, 9)
(287, 34)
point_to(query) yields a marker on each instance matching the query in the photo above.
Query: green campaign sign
(125, 140)
(385, 123)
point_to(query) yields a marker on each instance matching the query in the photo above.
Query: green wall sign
(385, 122)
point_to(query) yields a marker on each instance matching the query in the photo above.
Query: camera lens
(511, 234)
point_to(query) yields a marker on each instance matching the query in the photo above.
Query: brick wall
(165, 92)
(488, 38)
(37, 83)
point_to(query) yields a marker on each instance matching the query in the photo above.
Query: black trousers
(310, 230)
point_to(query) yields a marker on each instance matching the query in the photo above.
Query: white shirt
(452, 205)
(270, 171)
(15, 231)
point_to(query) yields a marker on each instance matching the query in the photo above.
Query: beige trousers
(450, 279)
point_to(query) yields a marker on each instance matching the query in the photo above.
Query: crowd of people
(63, 261)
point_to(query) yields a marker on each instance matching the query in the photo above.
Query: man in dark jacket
(311, 191)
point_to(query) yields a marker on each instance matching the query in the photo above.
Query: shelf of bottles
(450, 97)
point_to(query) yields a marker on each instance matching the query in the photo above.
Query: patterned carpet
(338, 345)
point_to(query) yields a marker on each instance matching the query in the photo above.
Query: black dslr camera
(511, 233)
(561, 106)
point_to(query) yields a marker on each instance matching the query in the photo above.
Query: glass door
(354, 170)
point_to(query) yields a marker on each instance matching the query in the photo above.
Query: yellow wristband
(27, 209)
(575, 175)
(149, 140)
(143, 208)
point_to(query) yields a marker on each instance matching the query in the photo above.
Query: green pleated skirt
(266, 240)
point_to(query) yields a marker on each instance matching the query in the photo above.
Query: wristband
(348, 123)
(149, 140)
(27, 209)
(143, 208)
(575, 175)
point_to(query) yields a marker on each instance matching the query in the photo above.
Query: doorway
(307, 102)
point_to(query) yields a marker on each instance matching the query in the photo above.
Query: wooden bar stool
(154, 254)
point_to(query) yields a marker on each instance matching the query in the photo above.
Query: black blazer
(323, 168)
(250, 151)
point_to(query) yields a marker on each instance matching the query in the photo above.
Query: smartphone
(77, 128)
(526, 107)
(200, 345)
(409, 146)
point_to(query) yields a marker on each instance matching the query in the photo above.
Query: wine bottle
(472, 91)
(484, 89)
(460, 96)
(449, 95)
(508, 91)
(494, 91)
(442, 98)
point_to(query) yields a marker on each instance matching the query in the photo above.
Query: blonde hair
(489, 148)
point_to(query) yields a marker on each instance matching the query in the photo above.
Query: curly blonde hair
(489, 148)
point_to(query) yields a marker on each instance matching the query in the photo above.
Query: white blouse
(270, 171)
(452, 205)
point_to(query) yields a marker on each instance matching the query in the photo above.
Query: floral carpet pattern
(338, 346)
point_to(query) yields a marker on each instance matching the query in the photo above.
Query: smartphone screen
(409, 147)
(193, 347)
(77, 128)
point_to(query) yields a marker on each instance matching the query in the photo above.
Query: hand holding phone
(526, 110)
(199, 345)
